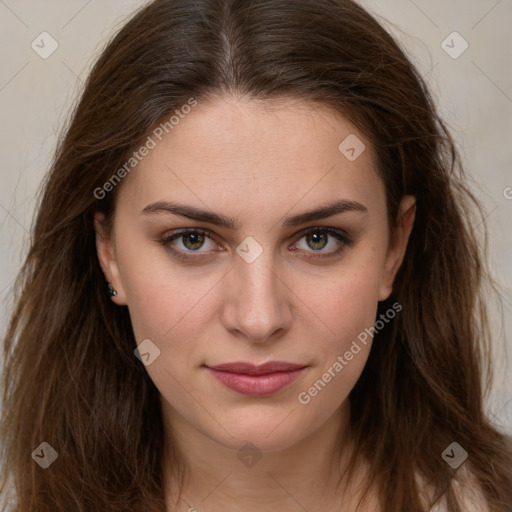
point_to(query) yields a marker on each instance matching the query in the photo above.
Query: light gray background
(473, 91)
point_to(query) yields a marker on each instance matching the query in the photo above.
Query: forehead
(260, 153)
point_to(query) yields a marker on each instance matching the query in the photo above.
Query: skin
(257, 163)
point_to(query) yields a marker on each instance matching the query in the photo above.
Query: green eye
(194, 239)
(318, 238)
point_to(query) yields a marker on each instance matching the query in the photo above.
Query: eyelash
(336, 233)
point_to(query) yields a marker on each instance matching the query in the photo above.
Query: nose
(257, 300)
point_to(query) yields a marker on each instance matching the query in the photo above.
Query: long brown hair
(70, 376)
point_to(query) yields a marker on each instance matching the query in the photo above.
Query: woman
(253, 283)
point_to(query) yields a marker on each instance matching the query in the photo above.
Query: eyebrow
(191, 212)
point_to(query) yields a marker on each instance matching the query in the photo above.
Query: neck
(304, 476)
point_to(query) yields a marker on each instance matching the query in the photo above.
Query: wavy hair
(70, 376)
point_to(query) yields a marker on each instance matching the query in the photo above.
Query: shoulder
(466, 489)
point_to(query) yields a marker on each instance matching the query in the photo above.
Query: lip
(261, 369)
(262, 380)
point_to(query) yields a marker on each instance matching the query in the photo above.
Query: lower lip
(256, 385)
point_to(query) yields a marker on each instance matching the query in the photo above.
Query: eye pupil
(196, 239)
(317, 239)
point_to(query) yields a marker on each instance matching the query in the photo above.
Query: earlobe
(398, 245)
(108, 261)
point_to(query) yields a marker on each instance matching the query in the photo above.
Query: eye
(191, 241)
(318, 238)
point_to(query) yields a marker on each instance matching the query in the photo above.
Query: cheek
(345, 302)
(347, 306)
(348, 310)
(159, 294)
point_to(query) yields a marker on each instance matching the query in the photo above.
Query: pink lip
(262, 380)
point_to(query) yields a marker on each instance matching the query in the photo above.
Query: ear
(105, 250)
(397, 245)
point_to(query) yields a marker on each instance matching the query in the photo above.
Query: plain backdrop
(473, 89)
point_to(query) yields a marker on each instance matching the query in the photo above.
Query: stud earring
(111, 291)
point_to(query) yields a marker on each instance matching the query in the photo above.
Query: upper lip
(262, 369)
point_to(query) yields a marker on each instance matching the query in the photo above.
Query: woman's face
(247, 284)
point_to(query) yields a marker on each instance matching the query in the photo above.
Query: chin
(269, 434)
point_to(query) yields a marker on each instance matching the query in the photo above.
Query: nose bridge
(259, 299)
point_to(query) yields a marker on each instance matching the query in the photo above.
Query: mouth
(262, 380)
